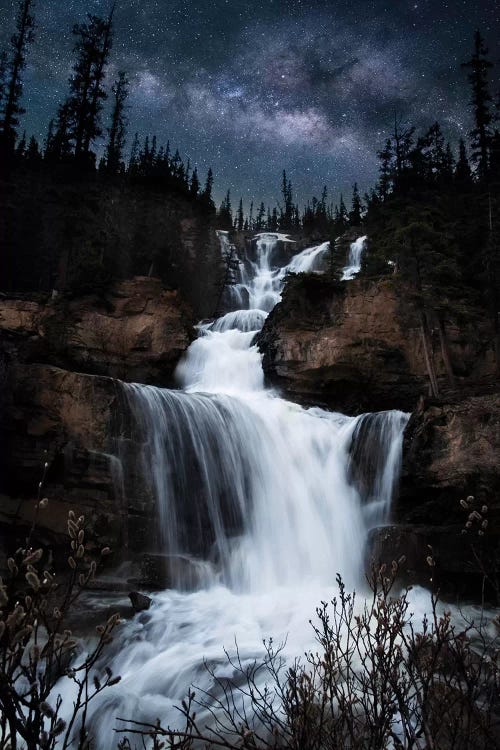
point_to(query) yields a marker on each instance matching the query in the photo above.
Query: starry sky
(250, 88)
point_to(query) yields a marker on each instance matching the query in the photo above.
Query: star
(250, 89)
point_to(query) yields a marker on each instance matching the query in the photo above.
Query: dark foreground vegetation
(377, 679)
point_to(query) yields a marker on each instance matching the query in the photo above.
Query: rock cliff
(136, 331)
(450, 470)
(61, 405)
(355, 346)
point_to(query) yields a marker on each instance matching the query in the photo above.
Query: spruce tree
(21, 146)
(356, 207)
(386, 170)
(481, 135)
(434, 151)
(240, 217)
(134, 154)
(3, 76)
(85, 101)
(341, 218)
(225, 215)
(194, 186)
(463, 174)
(286, 212)
(11, 108)
(59, 144)
(259, 221)
(117, 129)
(33, 150)
(206, 196)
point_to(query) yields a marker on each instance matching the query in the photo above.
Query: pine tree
(194, 187)
(481, 135)
(33, 150)
(386, 169)
(356, 207)
(134, 154)
(259, 221)
(116, 142)
(85, 101)
(206, 196)
(15, 64)
(239, 217)
(463, 174)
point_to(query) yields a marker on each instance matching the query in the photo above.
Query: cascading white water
(355, 256)
(275, 498)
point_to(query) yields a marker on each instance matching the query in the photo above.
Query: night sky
(250, 88)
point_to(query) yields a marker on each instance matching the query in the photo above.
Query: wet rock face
(137, 332)
(451, 450)
(355, 347)
(56, 428)
(59, 406)
(450, 453)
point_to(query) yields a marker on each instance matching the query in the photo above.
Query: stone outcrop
(355, 346)
(137, 331)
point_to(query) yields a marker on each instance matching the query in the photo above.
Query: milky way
(250, 88)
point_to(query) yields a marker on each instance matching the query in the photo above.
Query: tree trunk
(445, 353)
(429, 362)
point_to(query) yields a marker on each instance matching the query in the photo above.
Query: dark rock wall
(356, 346)
(60, 233)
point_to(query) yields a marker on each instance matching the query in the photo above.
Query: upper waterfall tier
(270, 493)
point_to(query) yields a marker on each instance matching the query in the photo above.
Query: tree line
(77, 127)
(433, 217)
(432, 214)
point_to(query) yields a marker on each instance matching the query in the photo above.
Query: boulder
(140, 602)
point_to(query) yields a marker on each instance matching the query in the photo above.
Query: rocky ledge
(137, 331)
(61, 404)
(449, 502)
(355, 346)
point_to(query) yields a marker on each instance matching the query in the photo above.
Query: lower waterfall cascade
(270, 498)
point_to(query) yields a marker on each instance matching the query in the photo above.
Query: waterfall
(274, 498)
(355, 256)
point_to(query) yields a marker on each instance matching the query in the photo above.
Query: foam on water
(274, 498)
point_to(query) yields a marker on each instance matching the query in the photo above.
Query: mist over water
(270, 498)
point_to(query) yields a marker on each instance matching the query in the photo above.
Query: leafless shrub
(37, 649)
(376, 681)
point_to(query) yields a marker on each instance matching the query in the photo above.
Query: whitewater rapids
(273, 500)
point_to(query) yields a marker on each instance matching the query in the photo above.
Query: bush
(374, 683)
(37, 649)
